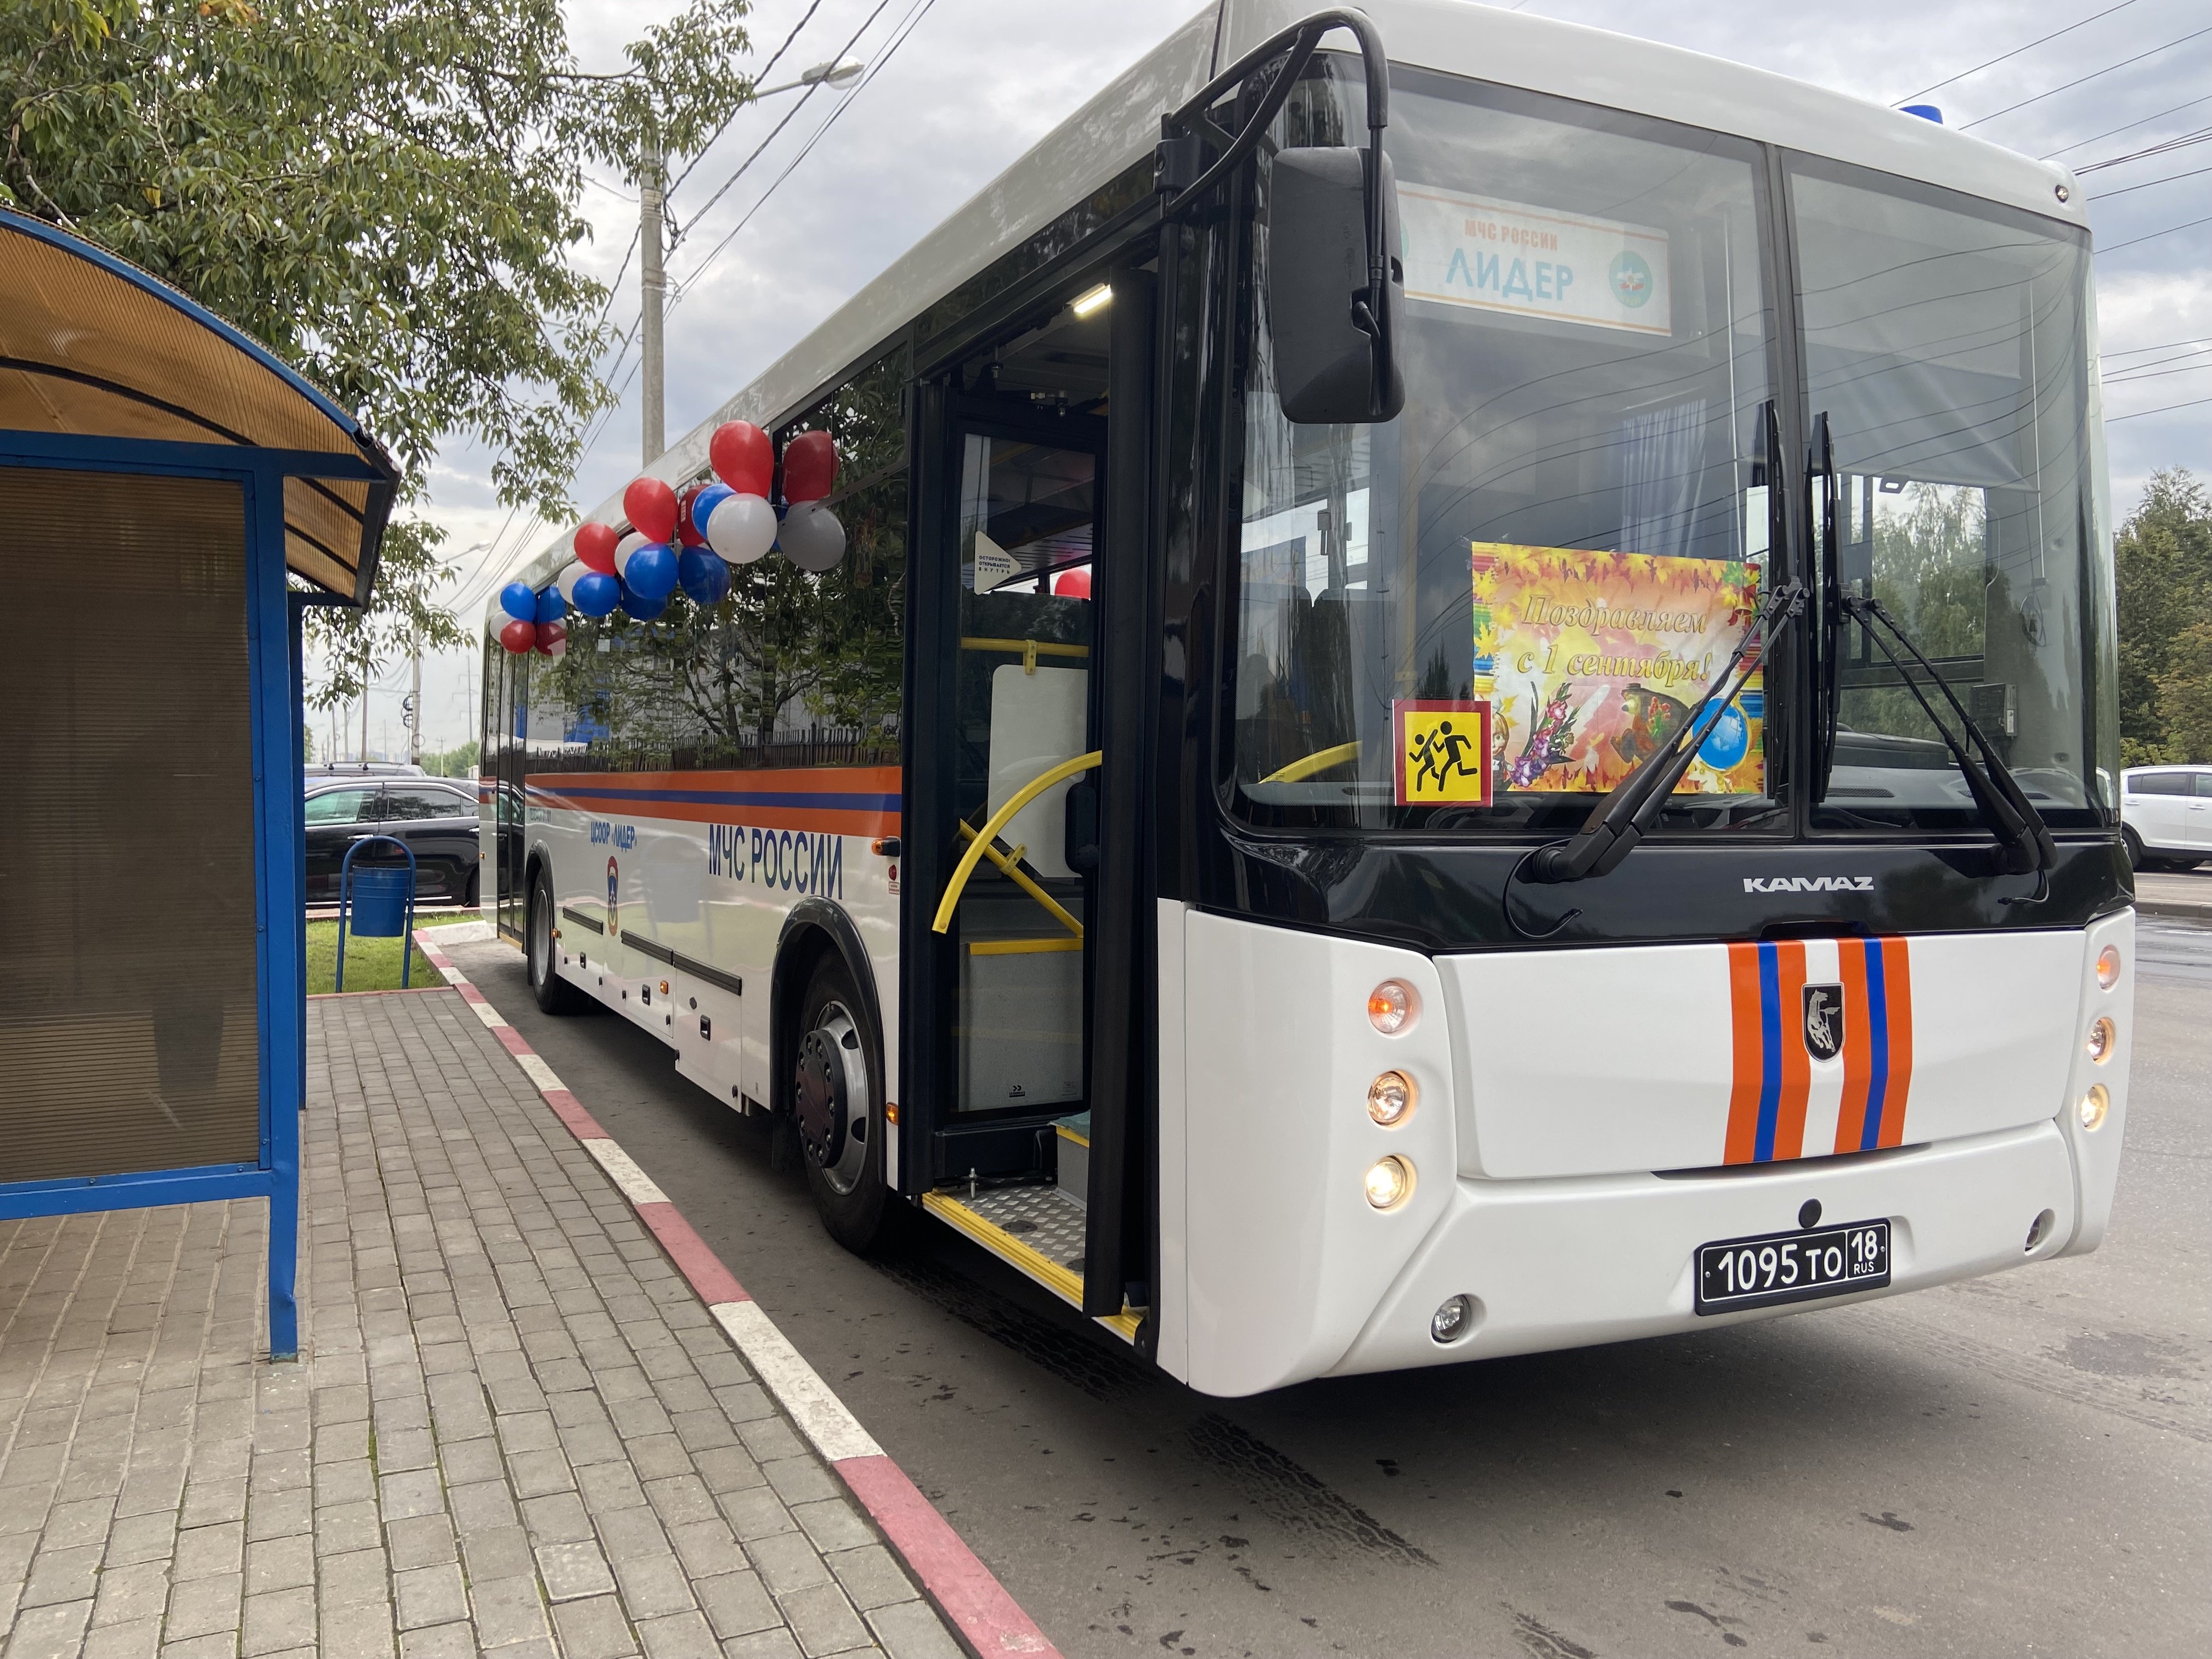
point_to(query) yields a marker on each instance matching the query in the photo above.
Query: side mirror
(1336, 362)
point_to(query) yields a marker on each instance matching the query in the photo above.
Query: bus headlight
(2095, 1105)
(1390, 1098)
(1391, 1006)
(2102, 1036)
(2108, 967)
(1389, 1182)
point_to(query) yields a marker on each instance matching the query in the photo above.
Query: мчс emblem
(1824, 1021)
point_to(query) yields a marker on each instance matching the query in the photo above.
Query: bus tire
(836, 1108)
(555, 994)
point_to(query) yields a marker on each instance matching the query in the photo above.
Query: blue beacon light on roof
(1925, 111)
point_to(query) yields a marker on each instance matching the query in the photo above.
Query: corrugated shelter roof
(91, 346)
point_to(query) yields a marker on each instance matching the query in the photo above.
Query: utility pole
(415, 709)
(654, 286)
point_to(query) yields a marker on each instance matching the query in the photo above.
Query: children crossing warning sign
(1444, 751)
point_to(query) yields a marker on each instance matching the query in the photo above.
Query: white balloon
(742, 528)
(627, 545)
(570, 575)
(812, 537)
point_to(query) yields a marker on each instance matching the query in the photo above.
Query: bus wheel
(555, 994)
(837, 1110)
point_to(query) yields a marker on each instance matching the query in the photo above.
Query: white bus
(1502, 742)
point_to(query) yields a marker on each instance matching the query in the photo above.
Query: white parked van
(2166, 816)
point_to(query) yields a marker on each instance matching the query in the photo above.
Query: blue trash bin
(381, 902)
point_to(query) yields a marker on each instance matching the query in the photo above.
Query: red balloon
(549, 636)
(1073, 584)
(519, 636)
(809, 466)
(651, 505)
(687, 532)
(742, 457)
(595, 547)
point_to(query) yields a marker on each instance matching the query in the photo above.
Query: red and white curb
(988, 1620)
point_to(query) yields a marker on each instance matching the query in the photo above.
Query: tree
(386, 193)
(2162, 562)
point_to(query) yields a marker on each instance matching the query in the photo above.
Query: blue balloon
(652, 572)
(701, 574)
(597, 594)
(639, 607)
(552, 607)
(1727, 741)
(704, 503)
(519, 601)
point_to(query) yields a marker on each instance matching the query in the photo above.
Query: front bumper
(1556, 1264)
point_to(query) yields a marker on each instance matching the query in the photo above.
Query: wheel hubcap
(830, 1103)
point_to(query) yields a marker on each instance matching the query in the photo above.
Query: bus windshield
(1482, 615)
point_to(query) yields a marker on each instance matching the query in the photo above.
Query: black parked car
(435, 816)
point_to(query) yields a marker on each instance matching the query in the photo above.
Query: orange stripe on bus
(1743, 1143)
(1858, 1055)
(1796, 1064)
(1897, 979)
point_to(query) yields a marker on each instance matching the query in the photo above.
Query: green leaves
(2162, 561)
(383, 192)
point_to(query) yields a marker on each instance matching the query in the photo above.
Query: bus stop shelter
(171, 496)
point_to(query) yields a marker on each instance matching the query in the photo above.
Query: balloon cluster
(690, 541)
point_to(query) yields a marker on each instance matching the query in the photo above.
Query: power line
(2128, 370)
(2106, 196)
(2188, 224)
(2014, 52)
(907, 27)
(774, 57)
(2112, 131)
(684, 229)
(2083, 80)
(2183, 142)
(2168, 345)
(2167, 410)
(2155, 373)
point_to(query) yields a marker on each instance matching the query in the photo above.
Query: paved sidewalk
(515, 1429)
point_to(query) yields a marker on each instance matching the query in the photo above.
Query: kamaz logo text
(1808, 883)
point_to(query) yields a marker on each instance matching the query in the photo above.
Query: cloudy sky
(957, 89)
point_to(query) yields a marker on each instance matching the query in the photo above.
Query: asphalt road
(2020, 1464)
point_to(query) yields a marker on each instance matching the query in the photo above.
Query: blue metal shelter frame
(275, 665)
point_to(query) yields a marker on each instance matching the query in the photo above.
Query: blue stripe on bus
(1770, 1052)
(1878, 1046)
(824, 800)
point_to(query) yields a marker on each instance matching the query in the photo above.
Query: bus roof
(1119, 127)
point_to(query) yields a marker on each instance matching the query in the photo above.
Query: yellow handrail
(998, 821)
(1021, 647)
(1298, 770)
(1014, 872)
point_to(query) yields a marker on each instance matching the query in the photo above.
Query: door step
(1036, 1229)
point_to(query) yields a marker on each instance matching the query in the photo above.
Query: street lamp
(838, 76)
(651, 284)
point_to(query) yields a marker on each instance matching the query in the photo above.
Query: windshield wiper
(1619, 822)
(2024, 843)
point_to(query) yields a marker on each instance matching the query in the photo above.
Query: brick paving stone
(513, 1431)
